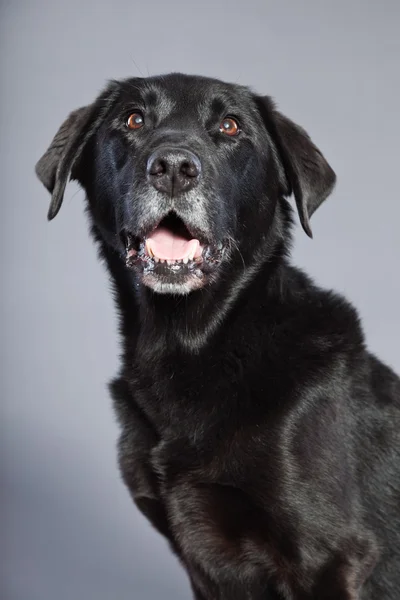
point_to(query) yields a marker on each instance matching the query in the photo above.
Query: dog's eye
(229, 126)
(135, 120)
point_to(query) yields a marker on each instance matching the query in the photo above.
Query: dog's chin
(179, 286)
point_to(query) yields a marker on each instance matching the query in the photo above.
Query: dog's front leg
(136, 443)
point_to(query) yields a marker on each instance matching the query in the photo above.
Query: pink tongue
(166, 245)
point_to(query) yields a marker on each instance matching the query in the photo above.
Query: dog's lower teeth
(190, 265)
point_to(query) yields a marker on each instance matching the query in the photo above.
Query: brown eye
(229, 126)
(135, 121)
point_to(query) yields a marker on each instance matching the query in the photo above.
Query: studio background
(70, 529)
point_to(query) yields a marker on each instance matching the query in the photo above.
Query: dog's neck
(190, 321)
(160, 323)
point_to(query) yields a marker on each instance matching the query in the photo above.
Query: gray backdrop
(70, 530)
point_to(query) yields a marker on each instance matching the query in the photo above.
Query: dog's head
(182, 173)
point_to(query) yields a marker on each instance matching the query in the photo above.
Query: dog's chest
(190, 395)
(225, 460)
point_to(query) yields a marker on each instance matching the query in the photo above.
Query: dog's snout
(173, 170)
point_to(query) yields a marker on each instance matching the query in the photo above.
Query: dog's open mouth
(170, 252)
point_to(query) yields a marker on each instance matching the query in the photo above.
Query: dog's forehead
(176, 93)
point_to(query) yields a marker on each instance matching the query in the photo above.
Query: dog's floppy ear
(306, 174)
(58, 164)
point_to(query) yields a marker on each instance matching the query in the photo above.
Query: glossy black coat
(259, 435)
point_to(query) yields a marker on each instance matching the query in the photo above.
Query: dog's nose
(173, 170)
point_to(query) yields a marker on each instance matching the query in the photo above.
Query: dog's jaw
(169, 260)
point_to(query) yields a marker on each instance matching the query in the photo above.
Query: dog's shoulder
(295, 319)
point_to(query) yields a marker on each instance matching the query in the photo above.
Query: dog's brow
(217, 106)
(208, 108)
(159, 100)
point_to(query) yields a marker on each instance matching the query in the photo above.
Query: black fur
(259, 435)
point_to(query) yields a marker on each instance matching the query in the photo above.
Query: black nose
(173, 170)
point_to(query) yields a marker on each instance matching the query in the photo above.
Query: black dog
(258, 433)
